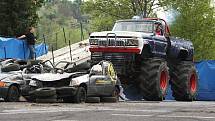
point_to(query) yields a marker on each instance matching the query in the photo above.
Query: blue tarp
(14, 48)
(206, 74)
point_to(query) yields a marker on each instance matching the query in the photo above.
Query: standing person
(31, 39)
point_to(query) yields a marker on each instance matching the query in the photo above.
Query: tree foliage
(17, 15)
(104, 13)
(195, 21)
(58, 14)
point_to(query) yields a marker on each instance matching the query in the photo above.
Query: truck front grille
(109, 40)
(122, 61)
(111, 43)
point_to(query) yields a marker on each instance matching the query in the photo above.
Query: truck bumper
(115, 49)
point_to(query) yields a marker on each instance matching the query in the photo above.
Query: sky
(169, 16)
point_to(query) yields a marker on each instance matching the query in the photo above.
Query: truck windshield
(134, 26)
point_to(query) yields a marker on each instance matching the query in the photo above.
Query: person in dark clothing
(30, 39)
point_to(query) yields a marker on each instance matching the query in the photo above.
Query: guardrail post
(70, 50)
(44, 41)
(69, 35)
(53, 55)
(56, 39)
(82, 35)
(64, 34)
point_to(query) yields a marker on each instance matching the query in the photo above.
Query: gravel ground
(121, 111)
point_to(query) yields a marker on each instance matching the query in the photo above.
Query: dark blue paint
(159, 45)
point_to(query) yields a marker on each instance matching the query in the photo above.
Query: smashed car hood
(9, 75)
(3, 76)
(51, 76)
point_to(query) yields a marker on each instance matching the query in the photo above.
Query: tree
(17, 15)
(196, 23)
(56, 15)
(103, 13)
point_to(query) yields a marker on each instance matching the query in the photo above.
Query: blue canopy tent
(15, 48)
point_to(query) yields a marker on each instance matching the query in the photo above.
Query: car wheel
(93, 100)
(109, 99)
(80, 96)
(114, 97)
(13, 94)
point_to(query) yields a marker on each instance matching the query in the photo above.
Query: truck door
(160, 41)
(160, 45)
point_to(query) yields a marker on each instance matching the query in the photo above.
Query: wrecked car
(101, 82)
(10, 86)
(13, 80)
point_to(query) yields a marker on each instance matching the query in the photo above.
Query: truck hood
(121, 34)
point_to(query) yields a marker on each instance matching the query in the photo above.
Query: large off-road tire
(184, 81)
(154, 79)
(13, 94)
(80, 96)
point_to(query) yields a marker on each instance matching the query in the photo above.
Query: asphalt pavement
(121, 111)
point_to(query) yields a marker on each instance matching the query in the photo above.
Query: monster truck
(147, 58)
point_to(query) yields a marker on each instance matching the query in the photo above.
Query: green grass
(57, 39)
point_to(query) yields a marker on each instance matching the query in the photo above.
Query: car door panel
(96, 85)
